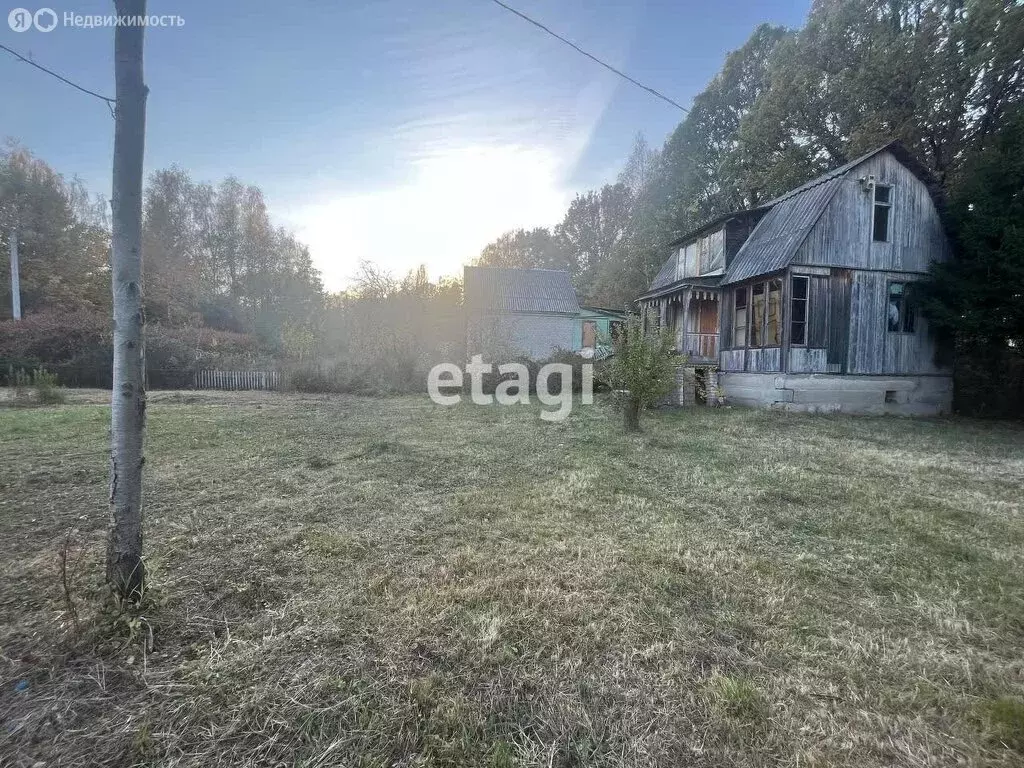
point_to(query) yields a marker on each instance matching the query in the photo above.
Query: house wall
(878, 395)
(500, 337)
(604, 323)
(848, 278)
(842, 235)
(872, 348)
(703, 255)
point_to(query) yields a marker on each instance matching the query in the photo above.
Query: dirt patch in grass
(340, 581)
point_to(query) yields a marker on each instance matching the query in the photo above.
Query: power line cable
(607, 66)
(111, 103)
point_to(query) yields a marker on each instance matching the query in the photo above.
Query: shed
(519, 312)
(593, 331)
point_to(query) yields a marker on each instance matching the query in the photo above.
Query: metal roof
(711, 224)
(789, 218)
(777, 236)
(710, 280)
(667, 274)
(502, 289)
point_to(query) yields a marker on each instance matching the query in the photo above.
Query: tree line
(213, 257)
(945, 77)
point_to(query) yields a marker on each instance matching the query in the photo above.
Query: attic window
(880, 219)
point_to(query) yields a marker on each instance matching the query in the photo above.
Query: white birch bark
(125, 571)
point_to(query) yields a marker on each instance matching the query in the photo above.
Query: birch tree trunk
(125, 571)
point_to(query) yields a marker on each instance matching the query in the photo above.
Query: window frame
(762, 322)
(875, 205)
(756, 322)
(745, 292)
(793, 299)
(781, 308)
(908, 312)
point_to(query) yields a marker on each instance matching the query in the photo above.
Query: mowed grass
(341, 581)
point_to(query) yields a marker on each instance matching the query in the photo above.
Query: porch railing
(703, 345)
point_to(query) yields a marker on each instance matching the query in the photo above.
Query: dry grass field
(340, 581)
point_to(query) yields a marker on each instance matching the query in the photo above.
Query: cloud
(482, 132)
(455, 202)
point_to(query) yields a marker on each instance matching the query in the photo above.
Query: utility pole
(125, 569)
(15, 276)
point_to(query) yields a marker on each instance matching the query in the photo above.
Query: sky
(403, 132)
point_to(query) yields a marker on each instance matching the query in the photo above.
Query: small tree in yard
(643, 367)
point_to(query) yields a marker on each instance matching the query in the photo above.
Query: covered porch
(692, 312)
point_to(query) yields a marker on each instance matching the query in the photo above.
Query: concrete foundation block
(827, 393)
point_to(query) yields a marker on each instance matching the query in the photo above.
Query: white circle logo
(45, 19)
(20, 20)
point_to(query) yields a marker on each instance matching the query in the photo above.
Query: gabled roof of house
(502, 289)
(613, 313)
(785, 225)
(783, 229)
(777, 236)
(716, 223)
(667, 274)
(709, 280)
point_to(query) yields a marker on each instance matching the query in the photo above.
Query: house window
(740, 315)
(798, 311)
(773, 322)
(880, 219)
(901, 310)
(589, 333)
(766, 314)
(757, 316)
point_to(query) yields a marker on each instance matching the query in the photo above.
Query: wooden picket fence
(237, 380)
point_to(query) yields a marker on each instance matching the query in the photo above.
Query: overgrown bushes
(405, 375)
(988, 382)
(379, 376)
(36, 387)
(563, 357)
(77, 347)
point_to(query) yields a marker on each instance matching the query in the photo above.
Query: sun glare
(452, 205)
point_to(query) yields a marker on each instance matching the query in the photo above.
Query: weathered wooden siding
(838, 319)
(873, 349)
(732, 359)
(537, 336)
(808, 360)
(727, 302)
(817, 311)
(764, 360)
(842, 236)
(848, 276)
